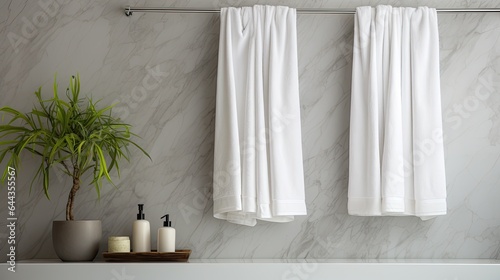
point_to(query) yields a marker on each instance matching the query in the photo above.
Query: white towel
(258, 172)
(396, 160)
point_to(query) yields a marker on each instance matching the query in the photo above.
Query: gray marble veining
(161, 69)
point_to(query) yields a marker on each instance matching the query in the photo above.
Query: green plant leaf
(66, 132)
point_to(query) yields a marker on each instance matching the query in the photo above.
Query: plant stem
(72, 193)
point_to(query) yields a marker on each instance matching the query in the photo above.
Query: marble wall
(161, 68)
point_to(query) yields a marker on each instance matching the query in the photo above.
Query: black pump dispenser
(166, 223)
(140, 215)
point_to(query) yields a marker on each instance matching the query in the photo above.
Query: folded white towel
(258, 172)
(396, 161)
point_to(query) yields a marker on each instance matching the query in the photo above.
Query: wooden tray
(178, 256)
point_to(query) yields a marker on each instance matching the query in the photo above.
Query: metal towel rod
(324, 11)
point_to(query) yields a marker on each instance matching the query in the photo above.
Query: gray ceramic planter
(76, 241)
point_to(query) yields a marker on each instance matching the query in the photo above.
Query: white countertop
(261, 269)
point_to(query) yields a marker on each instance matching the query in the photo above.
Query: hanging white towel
(258, 172)
(396, 160)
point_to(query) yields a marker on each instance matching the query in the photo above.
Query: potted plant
(77, 137)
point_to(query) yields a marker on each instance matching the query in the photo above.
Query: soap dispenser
(166, 236)
(141, 233)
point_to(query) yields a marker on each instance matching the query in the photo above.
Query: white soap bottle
(166, 237)
(141, 233)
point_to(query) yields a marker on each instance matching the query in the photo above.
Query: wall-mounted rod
(322, 11)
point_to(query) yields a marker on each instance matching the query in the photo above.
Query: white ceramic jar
(118, 244)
